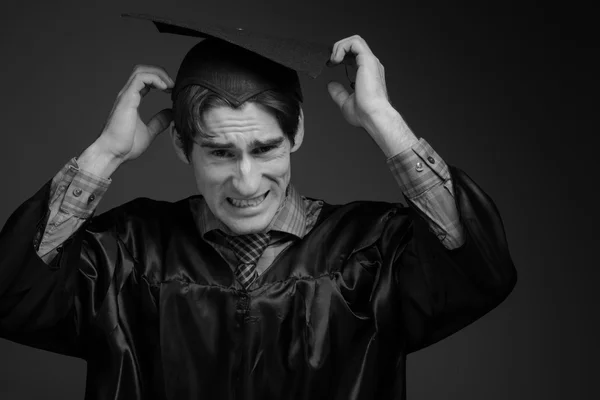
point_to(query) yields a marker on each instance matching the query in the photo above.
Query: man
(249, 290)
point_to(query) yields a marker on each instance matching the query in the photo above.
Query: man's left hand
(369, 107)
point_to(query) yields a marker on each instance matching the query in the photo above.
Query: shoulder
(361, 226)
(363, 222)
(362, 211)
(144, 213)
(144, 229)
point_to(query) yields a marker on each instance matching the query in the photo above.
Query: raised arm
(47, 302)
(423, 176)
(454, 265)
(78, 188)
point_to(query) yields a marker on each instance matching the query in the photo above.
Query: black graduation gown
(157, 313)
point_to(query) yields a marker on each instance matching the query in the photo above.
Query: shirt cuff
(83, 190)
(419, 169)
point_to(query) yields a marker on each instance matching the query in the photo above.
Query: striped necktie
(248, 249)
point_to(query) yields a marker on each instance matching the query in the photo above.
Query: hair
(192, 103)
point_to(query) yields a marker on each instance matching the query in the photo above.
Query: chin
(247, 228)
(244, 226)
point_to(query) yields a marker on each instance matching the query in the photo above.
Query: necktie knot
(248, 249)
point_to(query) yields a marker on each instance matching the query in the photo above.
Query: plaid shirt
(423, 176)
(292, 221)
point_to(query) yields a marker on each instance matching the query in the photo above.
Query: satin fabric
(157, 313)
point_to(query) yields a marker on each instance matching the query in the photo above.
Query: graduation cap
(238, 64)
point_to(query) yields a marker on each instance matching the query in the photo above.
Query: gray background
(503, 92)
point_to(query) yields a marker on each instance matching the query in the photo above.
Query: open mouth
(247, 203)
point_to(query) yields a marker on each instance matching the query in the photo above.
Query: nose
(247, 179)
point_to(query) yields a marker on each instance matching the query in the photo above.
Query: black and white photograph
(294, 200)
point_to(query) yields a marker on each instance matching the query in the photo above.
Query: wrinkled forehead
(233, 73)
(251, 120)
(242, 126)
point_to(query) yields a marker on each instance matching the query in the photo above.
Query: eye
(263, 149)
(221, 153)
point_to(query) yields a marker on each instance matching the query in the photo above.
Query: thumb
(338, 93)
(160, 121)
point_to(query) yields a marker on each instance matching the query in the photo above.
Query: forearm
(444, 290)
(425, 181)
(98, 162)
(42, 304)
(74, 196)
(389, 130)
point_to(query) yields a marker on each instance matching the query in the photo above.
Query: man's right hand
(125, 135)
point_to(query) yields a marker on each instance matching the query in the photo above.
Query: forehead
(250, 120)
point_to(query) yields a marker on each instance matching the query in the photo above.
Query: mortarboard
(238, 64)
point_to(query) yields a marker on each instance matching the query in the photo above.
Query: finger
(141, 84)
(338, 93)
(349, 60)
(353, 44)
(145, 90)
(152, 69)
(160, 121)
(163, 74)
(334, 51)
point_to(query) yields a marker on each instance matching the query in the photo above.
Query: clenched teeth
(247, 203)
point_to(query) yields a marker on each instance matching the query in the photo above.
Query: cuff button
(419, 167)
(431, 160)
(77, 192)
(91, 198)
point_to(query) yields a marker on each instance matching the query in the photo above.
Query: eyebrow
(209, 144)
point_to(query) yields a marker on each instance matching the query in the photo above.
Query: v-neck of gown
(266, 275)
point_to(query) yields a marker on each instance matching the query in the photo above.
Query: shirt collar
(290, 218)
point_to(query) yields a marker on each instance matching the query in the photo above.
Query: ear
(177, 145)
(299, 133)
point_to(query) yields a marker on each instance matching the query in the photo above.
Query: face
(243, 169)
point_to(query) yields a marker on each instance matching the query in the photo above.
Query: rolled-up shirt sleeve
(426, 184)
(74, 196)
